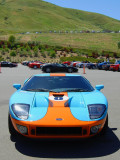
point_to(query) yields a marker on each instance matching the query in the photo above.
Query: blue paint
(38, 104)
(42, 75)
(72, 75)
(79, 102)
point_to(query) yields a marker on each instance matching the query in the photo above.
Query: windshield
(58, 84)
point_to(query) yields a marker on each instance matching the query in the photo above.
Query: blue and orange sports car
(57, 106)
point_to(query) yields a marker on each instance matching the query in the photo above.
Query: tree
(11, 39)
(118, 45)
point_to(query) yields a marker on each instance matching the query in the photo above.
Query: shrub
(30, 54)
(36, 54)
(118, 45)
(13, 54)
(115, 55)
(107, 55)
(27, 48)
(11, 39)
(1, 58)
(43, 54)
(53, 54)
(3, 52)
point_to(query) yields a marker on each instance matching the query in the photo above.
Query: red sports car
(35, 64)
(115, 67)
(67, 62)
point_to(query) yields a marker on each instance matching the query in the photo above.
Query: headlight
(21, 110)
(96, 110)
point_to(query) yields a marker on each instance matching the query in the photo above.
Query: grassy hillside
(67, 45)
(35, 15)
(90, 41)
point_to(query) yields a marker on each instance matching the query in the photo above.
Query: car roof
(55, 74)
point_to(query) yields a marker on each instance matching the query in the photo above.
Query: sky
(109, 8)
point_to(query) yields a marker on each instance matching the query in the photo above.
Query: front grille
(59, 131)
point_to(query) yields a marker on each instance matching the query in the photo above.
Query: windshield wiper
(76, 90)
(39, 90)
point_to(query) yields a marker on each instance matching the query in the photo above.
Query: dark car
(91, 66)
(8, 64)
(100, 65)
(25, 63)
(58, 68)
(106, 66)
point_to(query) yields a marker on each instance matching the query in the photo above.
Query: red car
(68, 63)
(35, 64)
(75, 63)
(115, 67)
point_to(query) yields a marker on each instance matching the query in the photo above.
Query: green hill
(36, 15)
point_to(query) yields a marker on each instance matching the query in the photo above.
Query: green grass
(87, 41)
(35, 15)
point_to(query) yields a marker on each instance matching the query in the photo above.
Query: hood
(44, 104)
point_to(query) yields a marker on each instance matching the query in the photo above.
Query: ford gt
(57, 106)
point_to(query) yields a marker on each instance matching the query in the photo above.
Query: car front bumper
(37, 130)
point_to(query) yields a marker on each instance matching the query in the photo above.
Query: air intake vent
(59, 131)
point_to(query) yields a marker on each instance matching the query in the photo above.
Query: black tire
(35, 67)
(47, 70)
(104, 130)
(81, 66)
(70, 70)
(93, 67)
(11, 66)
(12, 131)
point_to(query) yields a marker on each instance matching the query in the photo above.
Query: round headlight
(22, 129)
(95, 129)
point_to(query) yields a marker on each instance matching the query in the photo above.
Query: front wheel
(12, 131)
(70, 70)
(35, 67)
(93, 67)
(48, 70)
(104, 130)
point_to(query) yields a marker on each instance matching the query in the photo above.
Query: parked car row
(109, 66)
(50, 67)
(101, 66)
(32, 64)
(71, 66)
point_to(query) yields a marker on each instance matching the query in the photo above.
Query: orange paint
(57, 74)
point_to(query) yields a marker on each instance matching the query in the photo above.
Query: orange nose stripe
(57, 74)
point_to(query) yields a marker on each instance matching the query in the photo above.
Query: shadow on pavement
(94, 147)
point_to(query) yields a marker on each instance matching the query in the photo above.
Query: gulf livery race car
(57, 106)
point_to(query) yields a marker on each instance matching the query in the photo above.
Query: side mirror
(99, 87)
(17, 86)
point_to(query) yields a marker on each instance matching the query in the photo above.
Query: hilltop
(35, 15)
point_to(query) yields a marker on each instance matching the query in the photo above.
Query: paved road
(102, 148)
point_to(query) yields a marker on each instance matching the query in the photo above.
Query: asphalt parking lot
(101, 148)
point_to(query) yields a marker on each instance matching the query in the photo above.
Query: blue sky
(109, 8)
